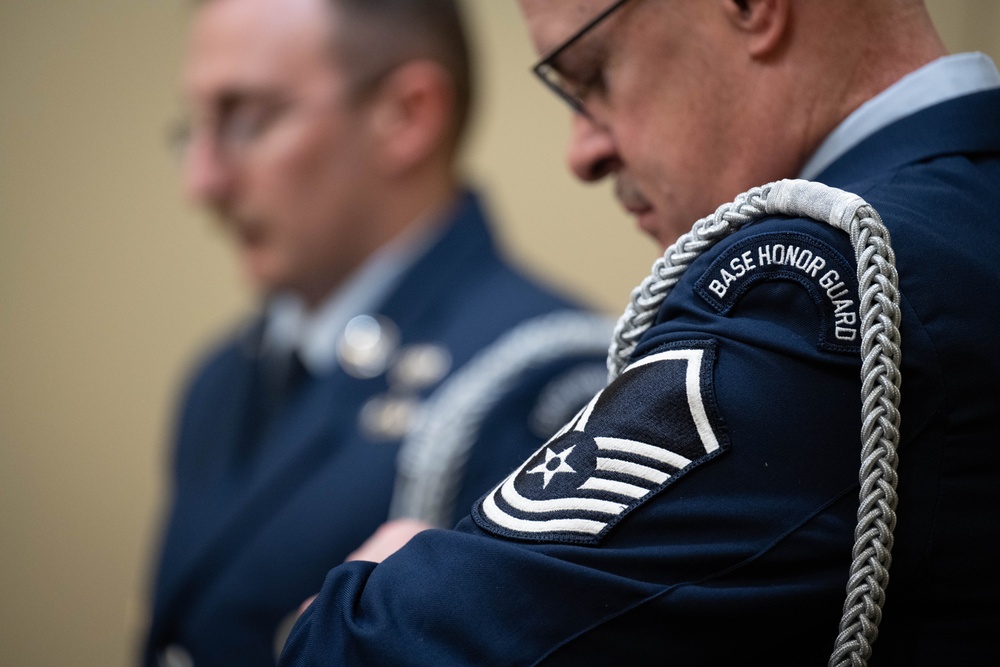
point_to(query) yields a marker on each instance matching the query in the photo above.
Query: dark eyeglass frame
(544, 67)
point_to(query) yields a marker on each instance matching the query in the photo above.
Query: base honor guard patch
(655, 422)
(826, 275)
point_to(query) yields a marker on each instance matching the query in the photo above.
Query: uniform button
(388, 417)
(419, 366)
(367, 345)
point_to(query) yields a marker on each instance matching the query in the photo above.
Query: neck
(409, 203)
(882, 42)
(417, 202)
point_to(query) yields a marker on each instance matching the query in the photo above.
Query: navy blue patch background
(826, 337)
(647, 404)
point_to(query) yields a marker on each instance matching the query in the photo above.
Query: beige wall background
(110, 285)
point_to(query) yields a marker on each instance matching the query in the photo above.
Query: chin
(649, 225)
(666, 232)
(261, 274)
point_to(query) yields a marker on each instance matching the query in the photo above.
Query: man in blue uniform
(700, 511)
(324, 135)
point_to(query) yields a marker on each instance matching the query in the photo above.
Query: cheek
(680, 151)
(305, 188)
(312, 158)
(649, 156)
(668, 170)
(303, 173)
(326, 199)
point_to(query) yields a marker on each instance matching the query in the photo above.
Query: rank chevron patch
(653, 423)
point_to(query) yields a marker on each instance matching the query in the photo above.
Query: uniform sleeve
(697, 508)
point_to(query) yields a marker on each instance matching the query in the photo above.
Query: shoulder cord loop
(880, 377)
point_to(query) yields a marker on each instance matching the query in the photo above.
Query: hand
(305, 605)
(387, 539)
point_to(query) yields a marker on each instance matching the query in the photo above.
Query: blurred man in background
(702, 509)
(324, 135)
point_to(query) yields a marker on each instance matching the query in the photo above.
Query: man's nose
(208, 175)
(592, 153)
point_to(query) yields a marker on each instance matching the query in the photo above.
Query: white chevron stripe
(581, 423)
(632, 469)
(611, 486)
(519, 502)
(501, 518)
(642, 449)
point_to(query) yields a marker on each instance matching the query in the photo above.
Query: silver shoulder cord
(434, 453)
(436, 450)
(880, 378)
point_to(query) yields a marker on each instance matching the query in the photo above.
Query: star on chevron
(554, 463)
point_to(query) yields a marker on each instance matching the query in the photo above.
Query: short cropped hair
(375, 36)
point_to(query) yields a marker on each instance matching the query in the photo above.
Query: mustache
(629, 194)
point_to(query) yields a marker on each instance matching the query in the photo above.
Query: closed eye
(583, 70)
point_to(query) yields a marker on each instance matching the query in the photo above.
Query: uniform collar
(944, 79)
(288, 326)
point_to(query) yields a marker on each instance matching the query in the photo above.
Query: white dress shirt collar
(315, 335)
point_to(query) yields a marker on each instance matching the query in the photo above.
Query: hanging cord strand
(880, 377)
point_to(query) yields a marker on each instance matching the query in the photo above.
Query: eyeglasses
(243, 122)
(235, 131)
(572, 92)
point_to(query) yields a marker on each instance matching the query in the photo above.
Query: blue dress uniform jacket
(262, 511)
(701, 510)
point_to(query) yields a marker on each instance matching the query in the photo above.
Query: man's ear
(412, 115)
(762, 22)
